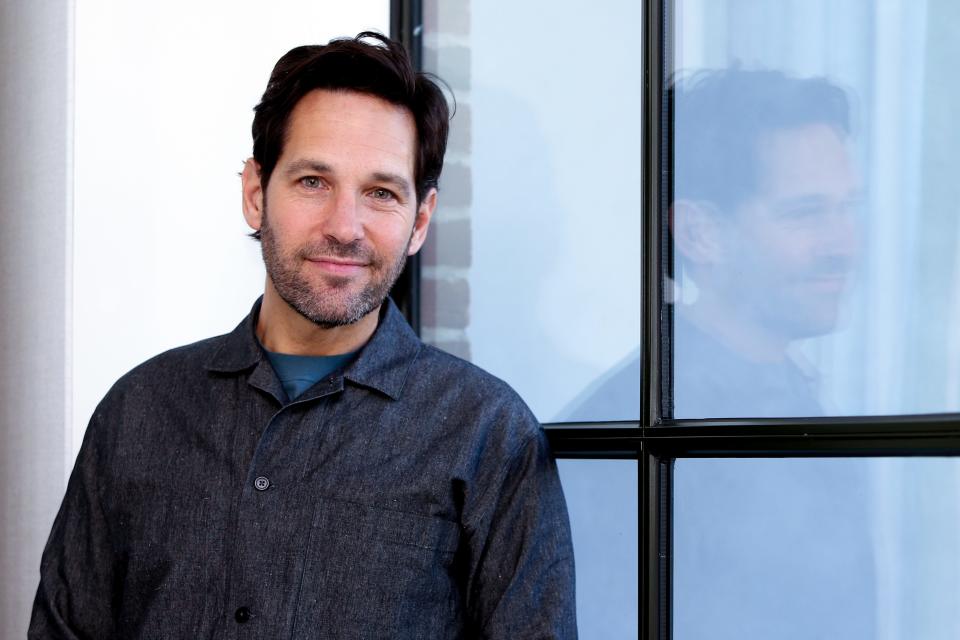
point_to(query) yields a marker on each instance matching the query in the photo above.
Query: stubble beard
(335, 305)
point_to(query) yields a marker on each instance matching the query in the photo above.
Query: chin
(801, 326)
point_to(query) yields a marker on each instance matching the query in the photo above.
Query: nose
(341, 218)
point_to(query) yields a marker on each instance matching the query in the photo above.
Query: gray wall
(35, 189)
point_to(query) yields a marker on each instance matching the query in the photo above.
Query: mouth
(338, 266)
(831, 284)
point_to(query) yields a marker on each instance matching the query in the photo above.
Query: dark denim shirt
(411, 495)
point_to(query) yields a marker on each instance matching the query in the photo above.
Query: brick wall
(446, 256)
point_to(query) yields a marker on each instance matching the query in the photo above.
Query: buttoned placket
(273, 483)
(382, 366)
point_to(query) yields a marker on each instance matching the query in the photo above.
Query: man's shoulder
(174, 366)
(171, 383)
(453, 372)
(452, 382)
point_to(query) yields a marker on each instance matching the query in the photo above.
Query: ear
(422, 222)
(697, 228)
(252, 194)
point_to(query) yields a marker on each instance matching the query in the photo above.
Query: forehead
(350, 128)
(810, 158)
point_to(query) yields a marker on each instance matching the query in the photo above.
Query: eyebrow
(818, 198)
(298, 166)
(396, 180)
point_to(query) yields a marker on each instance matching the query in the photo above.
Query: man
(764, 231)
(764, 227)
(764, 223)
(319, 472)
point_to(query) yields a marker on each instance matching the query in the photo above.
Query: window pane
(603, 501)
(816, 548)
(532, 268)
(815, 223)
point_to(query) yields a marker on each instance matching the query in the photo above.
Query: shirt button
(242, 615)
(262, 483)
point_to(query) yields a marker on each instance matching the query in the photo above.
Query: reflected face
(789, 253)
(339, 216)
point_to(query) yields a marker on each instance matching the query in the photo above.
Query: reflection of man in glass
(763, 227)
(763, 223)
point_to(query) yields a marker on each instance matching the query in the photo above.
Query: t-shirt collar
(383, 363)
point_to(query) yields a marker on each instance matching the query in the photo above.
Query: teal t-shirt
(299, 373)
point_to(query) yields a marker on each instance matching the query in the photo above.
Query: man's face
(789, 250)
(339, 215)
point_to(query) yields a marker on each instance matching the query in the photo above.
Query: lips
(337, 266)
(828, 283)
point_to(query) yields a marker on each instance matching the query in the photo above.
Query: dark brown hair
(371, 64)
(720, 115)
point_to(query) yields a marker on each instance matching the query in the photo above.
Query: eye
(311, 182)
(383, 194)
(804, 209)
(803, 212)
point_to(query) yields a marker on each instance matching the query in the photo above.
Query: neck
(282, 329)
(737, 330)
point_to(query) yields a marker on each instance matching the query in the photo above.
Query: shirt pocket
(378, 573)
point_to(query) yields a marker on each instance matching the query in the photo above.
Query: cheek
(778, 249)
(389, 239)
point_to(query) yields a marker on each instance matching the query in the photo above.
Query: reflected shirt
(774, 548)
(712, 381)
(765, 548)
(615, 395)
(410, 495)
(709, 381)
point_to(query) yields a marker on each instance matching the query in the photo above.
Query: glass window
(604, 518)
(785, 549)
(813, 238)
(814, 217)
(532, 268)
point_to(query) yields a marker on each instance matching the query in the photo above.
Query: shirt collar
(382, 364)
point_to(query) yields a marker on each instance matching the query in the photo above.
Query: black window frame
(657, 440)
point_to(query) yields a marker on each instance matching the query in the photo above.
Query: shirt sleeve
(521, 582)
(75, 597)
